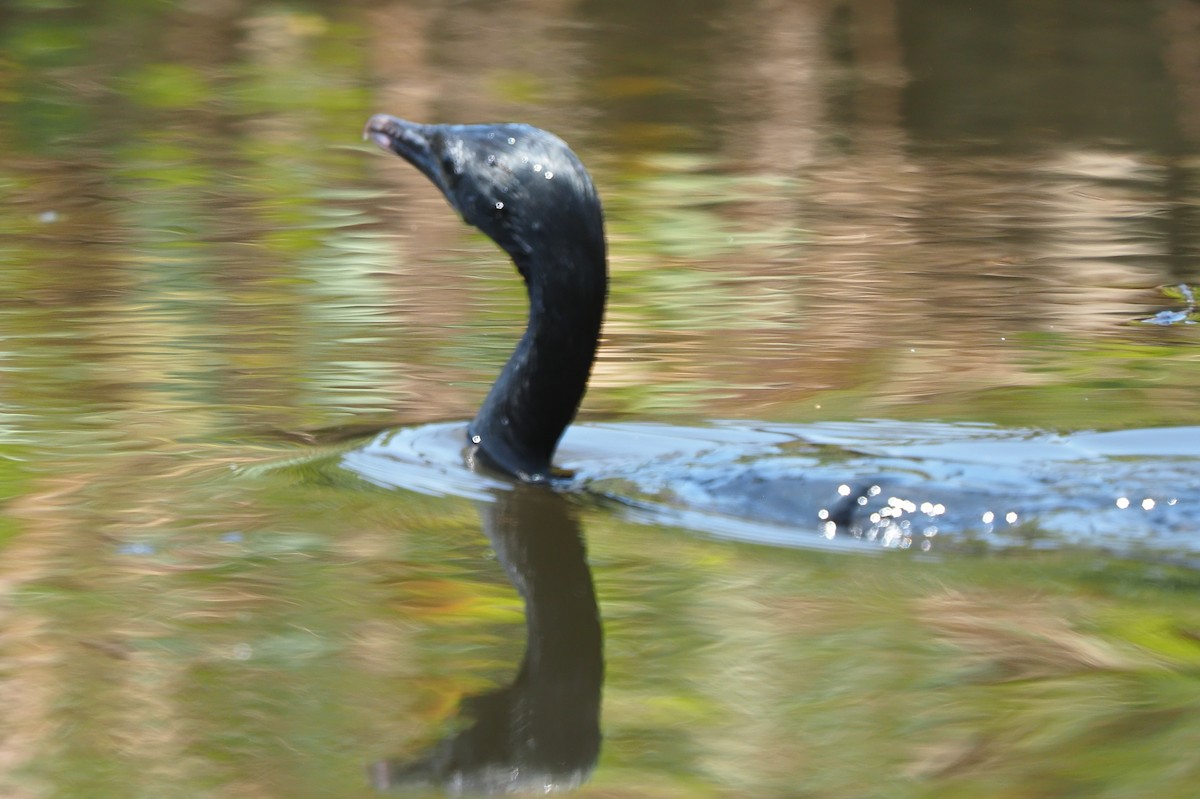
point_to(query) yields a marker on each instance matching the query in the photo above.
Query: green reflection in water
(201, 268)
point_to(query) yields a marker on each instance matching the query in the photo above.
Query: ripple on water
(857, 485)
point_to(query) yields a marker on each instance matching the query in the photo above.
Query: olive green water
(816, 211)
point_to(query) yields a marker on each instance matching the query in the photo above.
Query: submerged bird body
(529, 193)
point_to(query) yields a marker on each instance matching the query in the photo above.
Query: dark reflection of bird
(526, 190)
(542, 732)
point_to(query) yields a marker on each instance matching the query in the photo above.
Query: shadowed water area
(887, 482)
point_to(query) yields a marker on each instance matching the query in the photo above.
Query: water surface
(944, 239)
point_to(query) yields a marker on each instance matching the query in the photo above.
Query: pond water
(947, 250)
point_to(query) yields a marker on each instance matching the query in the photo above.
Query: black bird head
(520, 185)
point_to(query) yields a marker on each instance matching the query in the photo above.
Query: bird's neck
(539, 390)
